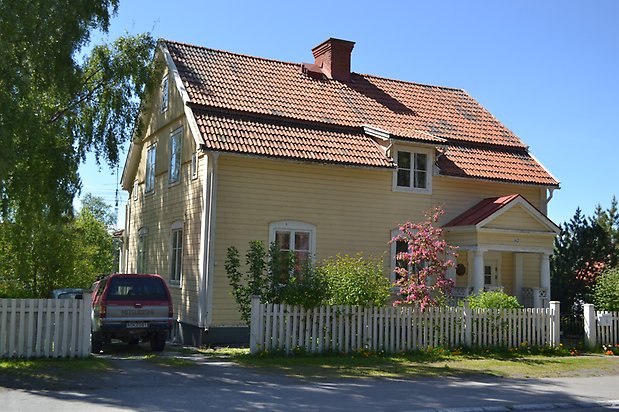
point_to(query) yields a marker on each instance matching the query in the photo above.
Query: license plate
(137, 325)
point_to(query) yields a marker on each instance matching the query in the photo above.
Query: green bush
(606, 291)
(493, 300)
(355, 281)
(271, 276)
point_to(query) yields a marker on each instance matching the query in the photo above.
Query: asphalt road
(210, 385)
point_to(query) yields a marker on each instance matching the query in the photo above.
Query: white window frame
(165, 93)
(174, 178)
(429, 170)
(176, 253)
(294, 226)
(142, 251)
(194, 165)
(149, 180)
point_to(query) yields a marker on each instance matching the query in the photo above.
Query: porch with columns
(533, 293)
(504, 243)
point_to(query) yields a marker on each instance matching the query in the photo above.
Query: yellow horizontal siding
(516, 218)
(353, 209)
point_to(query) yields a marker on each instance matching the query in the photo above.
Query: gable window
(176, 253)
(164, 94)
(414, 171)
(142, 250)
(150, 169)
(296, 237)
(175, 155)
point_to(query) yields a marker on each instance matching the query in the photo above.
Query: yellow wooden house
(327, 161)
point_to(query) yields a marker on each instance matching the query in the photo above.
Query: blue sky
(549, 70)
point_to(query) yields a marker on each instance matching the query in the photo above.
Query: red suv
(131, 308)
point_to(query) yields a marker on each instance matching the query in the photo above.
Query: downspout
(207, 241)
(551, 191)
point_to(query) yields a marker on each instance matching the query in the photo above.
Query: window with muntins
(176, 261)
(296, 237)
(164, 94)
(150, 169)
(142, 250)
(413, 171)
(175, 155)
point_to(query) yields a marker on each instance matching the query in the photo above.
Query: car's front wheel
(157, 342)
(96, 343)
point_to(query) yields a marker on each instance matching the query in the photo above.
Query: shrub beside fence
(350, 328)
(601, 327)
(45, 327)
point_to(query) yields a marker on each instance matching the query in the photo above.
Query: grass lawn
(426, 364)
(413, 366)
(51, 373)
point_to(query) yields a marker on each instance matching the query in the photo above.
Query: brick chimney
(333, 57)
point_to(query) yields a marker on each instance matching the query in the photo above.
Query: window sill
(175, 284)
(172, 184)
(411, 190)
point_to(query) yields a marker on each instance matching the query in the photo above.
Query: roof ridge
(229, 52)
(299, 63)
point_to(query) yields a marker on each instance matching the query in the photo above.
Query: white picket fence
(45, 327)
(601, 327)
(278, 327)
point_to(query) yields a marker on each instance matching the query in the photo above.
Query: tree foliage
(57, 103)
(70, 254)
(422, 268)
(606, 291)
(585, 247)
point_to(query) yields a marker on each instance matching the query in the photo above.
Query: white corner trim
(206, 262)
(178, 82)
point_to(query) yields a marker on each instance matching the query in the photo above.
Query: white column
(544, 272)
(518, 275)
(478, 271)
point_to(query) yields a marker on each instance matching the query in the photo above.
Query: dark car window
(136, 288)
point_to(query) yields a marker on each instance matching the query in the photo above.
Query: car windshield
(136, 288)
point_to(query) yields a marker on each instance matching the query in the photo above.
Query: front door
(491, 272)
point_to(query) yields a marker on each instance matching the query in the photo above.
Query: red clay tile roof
(481, 211)
(508, 165)
(222, 80)
(284, 139)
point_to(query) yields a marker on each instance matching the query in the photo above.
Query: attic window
(414, 171)
(164, 94)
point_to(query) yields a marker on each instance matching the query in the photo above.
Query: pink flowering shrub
(427, 256)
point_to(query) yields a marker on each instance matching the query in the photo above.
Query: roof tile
(253, 136)
(478, 145)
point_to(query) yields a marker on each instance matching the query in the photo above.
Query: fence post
(590, 326)
(468, 326)
(555, 324)
(86, 313)
(254, 325)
